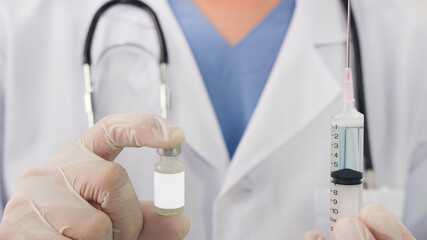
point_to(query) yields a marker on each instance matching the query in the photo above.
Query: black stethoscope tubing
(160, 36)
(360, 100)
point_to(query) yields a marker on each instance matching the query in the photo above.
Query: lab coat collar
(300, 87)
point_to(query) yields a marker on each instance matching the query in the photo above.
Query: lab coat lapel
(299, 88)
(192, 109)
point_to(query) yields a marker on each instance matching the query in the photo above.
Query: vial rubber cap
(172, 152)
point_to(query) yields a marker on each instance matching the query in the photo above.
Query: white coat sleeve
(416, 200)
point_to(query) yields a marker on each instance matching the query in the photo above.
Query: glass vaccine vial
(169, 183)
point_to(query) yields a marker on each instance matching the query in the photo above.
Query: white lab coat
(267, 190)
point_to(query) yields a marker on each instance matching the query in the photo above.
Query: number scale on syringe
(346, 163)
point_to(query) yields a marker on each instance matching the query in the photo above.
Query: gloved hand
(82, 194)
(375, 223)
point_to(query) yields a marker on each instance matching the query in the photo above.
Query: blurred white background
(420, 5)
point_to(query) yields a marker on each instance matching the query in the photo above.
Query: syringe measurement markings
(346, 147)
(334, 211)
(334, 147)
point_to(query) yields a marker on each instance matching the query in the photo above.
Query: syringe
(346, 152)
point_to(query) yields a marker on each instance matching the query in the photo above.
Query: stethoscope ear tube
(360, 90)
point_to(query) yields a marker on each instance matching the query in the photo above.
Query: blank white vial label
(169, 190)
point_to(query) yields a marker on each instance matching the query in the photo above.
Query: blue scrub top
(234, 76)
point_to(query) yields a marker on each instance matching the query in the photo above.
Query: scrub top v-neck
(234, 75)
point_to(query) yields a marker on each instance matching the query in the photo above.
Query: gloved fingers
(77, 222)
(351, 229)
(47, 196)
(313, 235)
(107, 186)
(157, 227)
(93, 182)
(111, 134)
(383, 224)
(20, 222)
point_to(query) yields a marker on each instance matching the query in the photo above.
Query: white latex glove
(375, 223)
(82, 194)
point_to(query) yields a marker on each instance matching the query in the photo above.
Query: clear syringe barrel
(347, 146)
(346, 163)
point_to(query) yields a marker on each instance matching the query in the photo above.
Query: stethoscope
(87, 60)
(164, 88)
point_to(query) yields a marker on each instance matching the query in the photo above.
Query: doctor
(262, 186)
